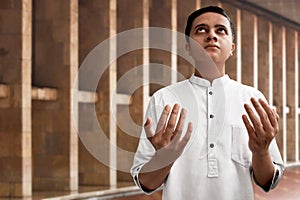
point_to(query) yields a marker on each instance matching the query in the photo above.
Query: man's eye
(222, 30)
(201, 30)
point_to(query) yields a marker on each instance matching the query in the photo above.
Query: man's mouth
(211, 46)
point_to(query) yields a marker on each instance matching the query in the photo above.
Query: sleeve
(145, 150)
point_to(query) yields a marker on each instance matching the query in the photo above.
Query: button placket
(211, 120)
(211, 148)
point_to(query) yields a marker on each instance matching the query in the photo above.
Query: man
(228, 139)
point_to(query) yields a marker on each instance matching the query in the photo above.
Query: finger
(255, 121)
(187, 136)
(275, 113)
(180, 123)
(249, 127)
(172, 122)
(262, 112)
(277, 116)
(148, 128)
(270, 112)
(162, 120)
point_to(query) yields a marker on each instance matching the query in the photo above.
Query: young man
(228, 139)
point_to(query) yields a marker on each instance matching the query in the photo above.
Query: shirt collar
(203, 82)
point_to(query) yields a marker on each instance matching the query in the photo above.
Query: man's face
(212, 31)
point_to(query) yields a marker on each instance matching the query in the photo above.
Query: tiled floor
(287, 189)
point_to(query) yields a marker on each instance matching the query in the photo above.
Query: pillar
(247, 47)
(93, 29)
(277, 79)
(184, 9)
(55, 142)
(290, 93)
(15, 107)
(128, 18)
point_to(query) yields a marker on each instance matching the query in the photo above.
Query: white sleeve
(145, 150)
(278, 164)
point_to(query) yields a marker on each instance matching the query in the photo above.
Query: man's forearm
(263, 169)
(154, 173)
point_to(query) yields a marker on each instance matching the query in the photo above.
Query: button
(210, 92)
(211, 145)
(211, 116)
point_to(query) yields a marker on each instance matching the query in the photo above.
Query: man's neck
(210, 74)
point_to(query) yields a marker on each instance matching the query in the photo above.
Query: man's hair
(201, 11)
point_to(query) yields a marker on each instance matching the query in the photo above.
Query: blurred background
(44, 42)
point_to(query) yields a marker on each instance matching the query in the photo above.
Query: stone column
(277, 32)
(94, 29)
(290, 93)
(128, 18)
(15, 104)
(231, 64)
(55, 143)
(247, 47)
(184, 8)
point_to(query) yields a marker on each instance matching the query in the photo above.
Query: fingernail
(190, 126)
(167, 107)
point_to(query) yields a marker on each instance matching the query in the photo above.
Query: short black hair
(201, 11)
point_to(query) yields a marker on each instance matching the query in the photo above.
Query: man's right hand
(167, 137)
(168, 144)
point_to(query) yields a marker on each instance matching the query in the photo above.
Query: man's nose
(211, 36)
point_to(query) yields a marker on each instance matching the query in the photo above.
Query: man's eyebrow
(200, 25)
(206, 25)
(221, 25)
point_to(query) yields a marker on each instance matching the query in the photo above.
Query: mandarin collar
(203, 82)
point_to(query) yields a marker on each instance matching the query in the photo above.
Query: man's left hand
(263, 128)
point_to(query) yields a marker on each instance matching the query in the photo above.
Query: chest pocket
(240, 152)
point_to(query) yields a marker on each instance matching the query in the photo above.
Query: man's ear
(232, 48)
